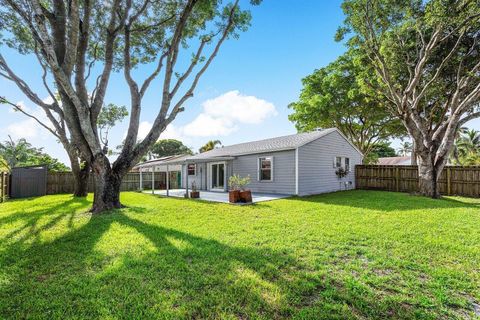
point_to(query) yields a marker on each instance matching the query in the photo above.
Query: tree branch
(81, 52)
(22, 85)
(18, 108)
(469, 117)
(189, 92)
(101, 88)
(194, 62)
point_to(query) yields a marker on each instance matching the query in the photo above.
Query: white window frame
(194, 169)
(259, 169)
(337, 164)
(345, 163)
(210, 173)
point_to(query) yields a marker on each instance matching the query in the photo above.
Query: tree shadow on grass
(386, 201)
(119, 266)
(30, 218)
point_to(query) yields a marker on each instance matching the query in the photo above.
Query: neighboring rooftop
(395, 161)
(267, 145)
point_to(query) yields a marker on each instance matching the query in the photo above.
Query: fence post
(2, 184)
(7, 185)
(449, 188)
(397, 179)
(356, 177)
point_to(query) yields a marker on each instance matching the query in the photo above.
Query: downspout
(153, 180)
(186, 180)
(225, 170)
(296, 171)
(168, 181)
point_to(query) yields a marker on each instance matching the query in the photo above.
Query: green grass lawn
(355, 254)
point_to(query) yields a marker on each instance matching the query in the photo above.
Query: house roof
(160, 161)
(289, 142)
(394, 161)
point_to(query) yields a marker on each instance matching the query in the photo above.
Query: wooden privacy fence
(454, 180)
(63, 182)
(4, 186)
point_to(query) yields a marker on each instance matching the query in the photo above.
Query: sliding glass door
(218, 176)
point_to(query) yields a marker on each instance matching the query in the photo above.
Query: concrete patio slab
(216, 196)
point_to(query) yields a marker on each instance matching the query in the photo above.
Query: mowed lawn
(355, 254)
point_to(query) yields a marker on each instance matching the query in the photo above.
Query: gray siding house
(299, 164)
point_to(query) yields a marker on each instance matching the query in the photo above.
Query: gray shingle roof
(162, 160)
(267, 145)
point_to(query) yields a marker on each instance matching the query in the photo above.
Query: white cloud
(143, 129)
(236, 107)
(205, 125)
(28, 127)
(171, 132)
(222, 115)
(23, 129)
(48, 100)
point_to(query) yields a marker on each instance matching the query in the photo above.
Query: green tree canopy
(210, 145)
(467, 148)
(21, 153)
(335, 96)
(53, 164)
(17, 152)
(108, 117)
(380, 150)
(405, 148)
(169, 147)
(426, 61)
(79, 44)
(3, 165)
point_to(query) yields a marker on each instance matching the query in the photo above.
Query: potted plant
(245, 194)
(194, 194)
(233, 189)
(341, 172)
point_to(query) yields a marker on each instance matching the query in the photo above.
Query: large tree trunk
(413, 154)
(107, 186)
(429, 170)
(427, 179)
(81, 173)
(81, 177)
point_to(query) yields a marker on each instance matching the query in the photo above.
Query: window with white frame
(191, 168)
(265, 169)
(347, 164)
(337, 162)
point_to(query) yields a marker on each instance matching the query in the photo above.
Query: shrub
(236, 182)
(341, 172)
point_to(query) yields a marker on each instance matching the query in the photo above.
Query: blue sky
(244, 94)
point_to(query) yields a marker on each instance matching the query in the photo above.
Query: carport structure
(170, 165)
(179, 165)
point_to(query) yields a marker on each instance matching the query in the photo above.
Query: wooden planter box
(194, 194)
(246, 196)
(234, 196)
